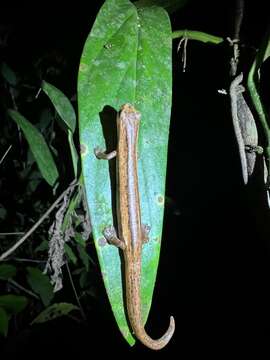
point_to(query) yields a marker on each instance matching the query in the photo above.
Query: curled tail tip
(170, 331)
(164, 340)
(158, 343)
(172, 325)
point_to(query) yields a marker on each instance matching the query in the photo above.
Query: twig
(28, 260)
(234, 42)
(22, 288)
(75, 292)
(11, 233)
(5, 154)
(38, 223)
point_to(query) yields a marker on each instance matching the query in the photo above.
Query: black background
(214, 265)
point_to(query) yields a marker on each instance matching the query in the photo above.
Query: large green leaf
(126, 59)
(40, 284)
(38, 146)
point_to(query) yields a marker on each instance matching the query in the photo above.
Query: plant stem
(75, 292)
(5, 154)
(22, 288)
(11, 233)
(197, 35)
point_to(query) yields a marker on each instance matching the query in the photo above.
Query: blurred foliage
(38, 160)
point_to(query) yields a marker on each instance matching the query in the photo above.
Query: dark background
(214, 265)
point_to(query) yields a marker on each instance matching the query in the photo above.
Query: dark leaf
(7, 271)
(4, 318)
(40, 284)
(38, 147)
(54, 311)
(13, 303)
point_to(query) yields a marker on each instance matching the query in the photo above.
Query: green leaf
(70, 254)
(13, 303)
(121, 63)
(84, 256)
(45, 120)
(38, 147)
(8, 74)
(44, 245)
(7, 271)
(263, 115)
(84, 280)
(73, 204)
(74, 154)
(40, 284)
(254, 78)
(4, 318)
(54, 311)
(62, 105)
(79, 239)
(67, 114)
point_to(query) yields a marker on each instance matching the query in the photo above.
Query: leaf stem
(197, 35)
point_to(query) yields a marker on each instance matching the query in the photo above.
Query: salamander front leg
(110, 235)
(100, 154)
(145, 233)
